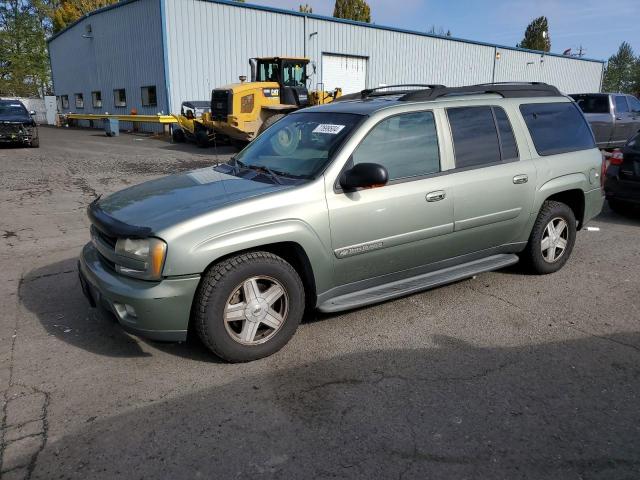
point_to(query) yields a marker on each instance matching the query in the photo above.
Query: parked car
(614, 117)
(344, 205)
(17, 124)
(622, 181)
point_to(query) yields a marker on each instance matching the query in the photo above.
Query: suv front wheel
(249, 306)
(552, 238)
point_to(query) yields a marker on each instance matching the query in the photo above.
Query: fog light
(130, 311)
(123, 310)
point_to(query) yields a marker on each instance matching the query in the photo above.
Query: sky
(598, 25)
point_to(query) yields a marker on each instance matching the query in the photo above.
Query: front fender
(208, 251)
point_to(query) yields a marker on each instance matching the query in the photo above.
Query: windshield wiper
(270, 172)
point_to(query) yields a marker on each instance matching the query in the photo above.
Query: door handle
(436, 196)
(518, 179)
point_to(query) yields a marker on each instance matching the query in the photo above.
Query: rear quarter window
(557, 127)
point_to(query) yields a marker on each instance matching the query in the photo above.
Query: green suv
(343, 205)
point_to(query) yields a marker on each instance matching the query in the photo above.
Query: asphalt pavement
(506, 375)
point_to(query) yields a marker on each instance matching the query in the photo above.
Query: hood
(238, 88)
(15, 118)
(161, 203)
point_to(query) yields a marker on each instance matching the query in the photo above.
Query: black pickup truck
(17, 124)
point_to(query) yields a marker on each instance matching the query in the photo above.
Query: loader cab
(289, 73)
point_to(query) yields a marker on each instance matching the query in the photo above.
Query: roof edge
(339, 20)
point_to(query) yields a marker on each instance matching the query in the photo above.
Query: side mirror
(32, 113)
(364, 175)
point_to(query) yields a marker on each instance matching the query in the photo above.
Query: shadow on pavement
(550, 411)
(628, 216)
(54, 295)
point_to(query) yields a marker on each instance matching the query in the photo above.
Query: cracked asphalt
(506, 375)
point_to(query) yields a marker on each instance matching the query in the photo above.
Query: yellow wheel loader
(243, 110)
(191, 123)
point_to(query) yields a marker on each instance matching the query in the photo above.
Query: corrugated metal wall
(227, 36)
(125, 52)
(208, 44)
(223, 39)
(396, 57)
(569, 75)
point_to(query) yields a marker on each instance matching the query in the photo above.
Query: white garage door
(348, 73)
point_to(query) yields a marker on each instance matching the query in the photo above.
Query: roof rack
(375, 92)
(504, 89)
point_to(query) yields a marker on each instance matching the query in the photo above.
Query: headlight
(149, 254)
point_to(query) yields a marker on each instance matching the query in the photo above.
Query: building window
(65, 101)
(149, 98)
(96, 99)
(120, 97)
(79, 100)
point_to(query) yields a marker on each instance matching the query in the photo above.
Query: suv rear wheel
(552, 238)
(248, 306)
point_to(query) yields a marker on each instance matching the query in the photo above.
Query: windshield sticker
(328, 128)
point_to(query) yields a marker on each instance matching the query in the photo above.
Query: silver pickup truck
(614, 117)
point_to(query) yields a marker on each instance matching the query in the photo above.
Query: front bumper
(10, 133)
(162, 309)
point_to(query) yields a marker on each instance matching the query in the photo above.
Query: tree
(439, 31)
(536, 36)
(24, 64)
(68, 11)
(306, 8)
(622, 73)
(358, 10)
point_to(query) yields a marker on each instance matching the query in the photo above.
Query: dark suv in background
(614, 117)
(622, 181)
(17, 124)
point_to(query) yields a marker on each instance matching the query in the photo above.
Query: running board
(418, 283)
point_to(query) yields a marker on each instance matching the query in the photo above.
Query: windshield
(301, 144)
(592, 103)
(293, 73)
(12, 108)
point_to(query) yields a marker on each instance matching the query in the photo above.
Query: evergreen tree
(358, 10)
(306, 8)
(622, 73)
(536, 36)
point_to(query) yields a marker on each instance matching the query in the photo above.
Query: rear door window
(481, 136)
(508, 146)
(557, 127)
(406, 145)
(621, 104)
(634, 103)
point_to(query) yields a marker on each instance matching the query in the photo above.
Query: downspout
(495, 59)
(165, 56)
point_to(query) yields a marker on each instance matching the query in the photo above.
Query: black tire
(270, 121)
(35, 142)
(533, 256)
(202, 138)
(178, 135)
(216, 288)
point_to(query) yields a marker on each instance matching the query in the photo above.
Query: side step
(418, 283)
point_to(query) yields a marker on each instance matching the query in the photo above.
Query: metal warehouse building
(153, 54)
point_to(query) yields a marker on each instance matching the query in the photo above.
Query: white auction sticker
(328, 128)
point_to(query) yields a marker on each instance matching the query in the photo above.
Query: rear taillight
(616, 157)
